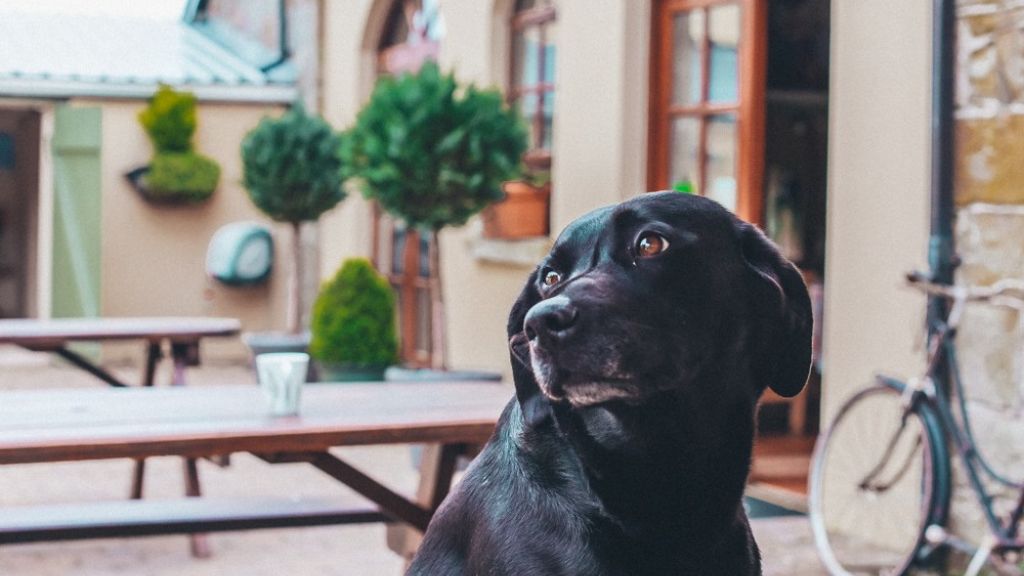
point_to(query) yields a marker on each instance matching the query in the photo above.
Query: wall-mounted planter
(524, 213)
(138, 180)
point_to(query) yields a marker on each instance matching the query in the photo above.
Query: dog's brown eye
(551, 278)
(650, 244)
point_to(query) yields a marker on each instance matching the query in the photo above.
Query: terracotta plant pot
(522, 214)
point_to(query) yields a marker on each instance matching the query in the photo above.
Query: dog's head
(656, 294)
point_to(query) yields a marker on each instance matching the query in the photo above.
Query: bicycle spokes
(871, 483)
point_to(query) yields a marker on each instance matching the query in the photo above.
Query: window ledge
(525, 252)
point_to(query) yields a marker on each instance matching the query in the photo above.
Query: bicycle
(893, 467)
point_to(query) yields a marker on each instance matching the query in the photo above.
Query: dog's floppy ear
(784, 309)
(534, 405)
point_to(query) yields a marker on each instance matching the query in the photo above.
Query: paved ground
(328, 551)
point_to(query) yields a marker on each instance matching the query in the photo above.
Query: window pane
(549, 110)
(528, 110)
(425, 254)
(550, 40)
(398, 250)
(525, 69)
(685, 146)
(688, 37)
(721, 160)
(724, 36)
(423, 319)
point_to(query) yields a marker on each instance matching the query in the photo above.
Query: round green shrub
(354, 318)
(291, 166)
(430, 153)
(182, 176)
(170, 119)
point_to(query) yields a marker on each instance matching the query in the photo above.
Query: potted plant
(433, 155)
(177, 174)
(525, 211)
(353, 325)
(292, 172)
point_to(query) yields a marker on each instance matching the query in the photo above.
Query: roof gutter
(65, 89)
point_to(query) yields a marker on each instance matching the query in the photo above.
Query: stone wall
(990, 236)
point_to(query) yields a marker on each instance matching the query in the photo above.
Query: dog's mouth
(577, 388)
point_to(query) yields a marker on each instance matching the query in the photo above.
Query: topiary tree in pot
(353, 324)
(292, 171)
(433, 154)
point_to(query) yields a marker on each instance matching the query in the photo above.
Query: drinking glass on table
(281, 375)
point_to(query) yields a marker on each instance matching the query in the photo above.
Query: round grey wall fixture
(241, 254)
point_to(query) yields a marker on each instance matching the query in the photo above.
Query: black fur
(627, 446)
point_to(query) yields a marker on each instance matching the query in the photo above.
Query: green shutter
(76, 212)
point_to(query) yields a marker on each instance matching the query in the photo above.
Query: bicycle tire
(898, 456)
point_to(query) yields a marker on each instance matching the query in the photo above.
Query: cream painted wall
(599, 142)
(153, 258)
(878, 191)
(346, 231)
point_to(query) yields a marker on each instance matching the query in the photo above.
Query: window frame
(536, 156)
(749, 108)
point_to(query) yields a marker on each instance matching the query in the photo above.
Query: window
(707, 101)
(532, 75)
(253, 29)
(412, 34)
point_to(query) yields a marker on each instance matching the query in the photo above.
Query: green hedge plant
(183, 175)
(433, 154)
(353, 320)
(291, 169)
(170, 119)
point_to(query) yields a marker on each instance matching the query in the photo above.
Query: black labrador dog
(639, 347)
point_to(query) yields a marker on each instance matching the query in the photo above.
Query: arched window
(532, 74)
(412, 35)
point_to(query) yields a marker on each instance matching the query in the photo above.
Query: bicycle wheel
(872, 485)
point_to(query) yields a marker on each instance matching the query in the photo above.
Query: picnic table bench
(93, 424)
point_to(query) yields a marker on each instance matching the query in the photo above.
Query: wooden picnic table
(183, 335)
(91, 424)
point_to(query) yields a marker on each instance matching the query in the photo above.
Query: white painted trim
(47, 88)
(44, 226)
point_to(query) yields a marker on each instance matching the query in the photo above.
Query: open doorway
(739, 113)
(20, 131)
(795, 182)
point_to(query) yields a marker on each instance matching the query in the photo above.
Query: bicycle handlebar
(1006, 292)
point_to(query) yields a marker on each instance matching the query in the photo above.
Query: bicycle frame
(942, 356)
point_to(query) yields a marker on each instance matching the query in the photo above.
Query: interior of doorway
(20, 131)
(796, 151)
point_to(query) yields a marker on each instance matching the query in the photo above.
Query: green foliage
(354, 318)
(291, 166)
(170, 120)
(182, 175)
(431, 154)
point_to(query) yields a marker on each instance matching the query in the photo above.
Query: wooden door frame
(750, 116)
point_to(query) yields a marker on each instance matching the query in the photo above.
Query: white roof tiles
(47, 55)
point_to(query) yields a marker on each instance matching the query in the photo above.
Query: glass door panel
(723, 47)
(720, 160)
(688, 41)
(685, 171)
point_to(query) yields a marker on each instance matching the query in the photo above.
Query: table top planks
(89, 424)
(37, 333)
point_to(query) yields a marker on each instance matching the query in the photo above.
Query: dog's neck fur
(650, 468)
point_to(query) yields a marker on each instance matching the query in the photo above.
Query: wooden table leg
(153, 356)
(437, 468)
(184, 355)
(199, 544)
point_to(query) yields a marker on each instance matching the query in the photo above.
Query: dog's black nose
(550, 319)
